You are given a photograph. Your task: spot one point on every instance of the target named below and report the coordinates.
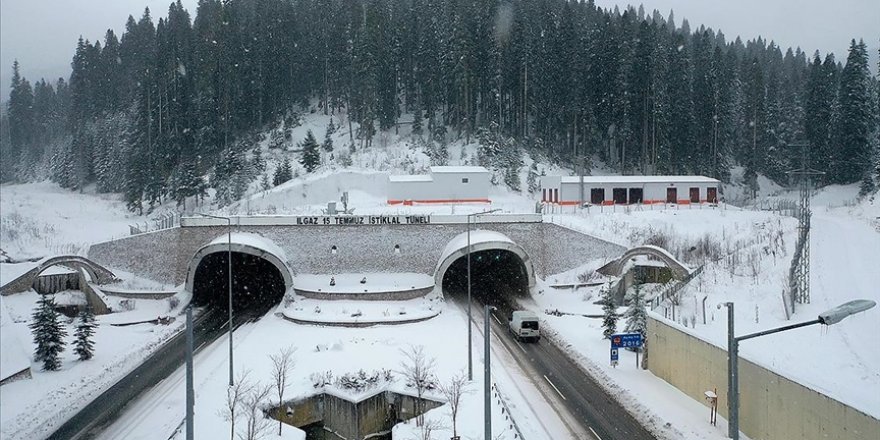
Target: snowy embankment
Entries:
(755, 250)
(34, 408)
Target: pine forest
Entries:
(173, 106)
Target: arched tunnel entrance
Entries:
(257, 284)
(496, 276)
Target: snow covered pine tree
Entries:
(48, 334)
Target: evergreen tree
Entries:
(283, 173)
(636, 316)
(258, 163)
(532, 179)
(855, 118)
(328, 137)
(85, 329)
(311, 157)
(511, 176)
(48, 334)
(609, 314)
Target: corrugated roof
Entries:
(639, 179)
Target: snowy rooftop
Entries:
(458, 169)
(14, 358)
(411, 178)
(640, 179)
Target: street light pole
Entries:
(487, 373)
(829, 317)
(229, 281)
(470, 347)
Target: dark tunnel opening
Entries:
(257, 284)
(496, 276)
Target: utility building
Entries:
(627, 190)
(447, 184)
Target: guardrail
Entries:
(507, 414)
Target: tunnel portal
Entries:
(256, 282)
(496, 275)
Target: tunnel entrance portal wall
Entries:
(170, 256)
(491, 245)
(259, 271)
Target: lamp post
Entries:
(229, 258)
(470, 348)
(829, 317)
(487, 379)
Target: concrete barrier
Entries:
(771, 406)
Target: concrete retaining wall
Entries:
(164, 255)
(353, 420)
(771, 406)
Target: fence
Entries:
(163, 221)
(550, 208)
(672, 290)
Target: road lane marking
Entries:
(497, 320)
(594, 433)
(554, 387)
(520, 346)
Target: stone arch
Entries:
(481, 240)
(614, 268)
(244, 243)
(99, 274)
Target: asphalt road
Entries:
(573, 388)
(98, 414)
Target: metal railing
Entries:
(507, 414)
(162, 221)
(675, 287)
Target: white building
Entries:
(448, 184)
(611, 190)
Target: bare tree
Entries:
(428, 428)
(453, 390)
(282, 363)
(256, 423)
(418, 371)
(234, 396)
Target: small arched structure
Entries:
(257, 260)
(98, 274)
(482, 240)
(616, 267)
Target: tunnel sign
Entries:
(364, 220)
(626, 340)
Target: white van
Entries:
(524, 326)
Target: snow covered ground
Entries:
(747, 256)
(318, 350)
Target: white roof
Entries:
(458, 169)
(640, 179)
(15, 358)
(411, 178)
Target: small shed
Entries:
(443, 184)
(628, 190)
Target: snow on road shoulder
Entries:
(117, 351)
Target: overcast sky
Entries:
(42, 34)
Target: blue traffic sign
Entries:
(625, 340)
(614, 356)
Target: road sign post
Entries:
(625, 340)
